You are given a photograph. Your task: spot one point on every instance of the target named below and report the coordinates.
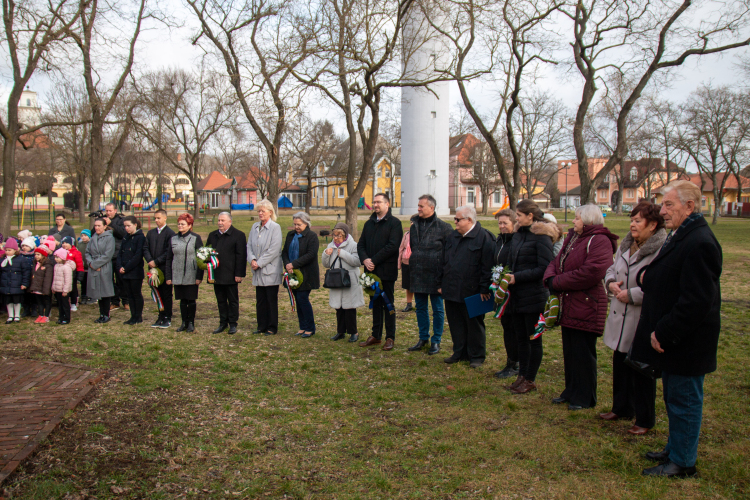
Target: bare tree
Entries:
(192, 109)
(484, 174)
(32, 32)
(642, 38)
(711, 119)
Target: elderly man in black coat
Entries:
(155, 253)
(116, 223)
(427, 241)
(678, 331)
(467, 271)
(231, 245)
(378, 250)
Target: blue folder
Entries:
(476, 306)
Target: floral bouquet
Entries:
(367, 281)
(499, 289)
(372, 286)
(156, 279)
(208, 260)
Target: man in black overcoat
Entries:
(378, 250)
(155, 253)
(231, 244)
(678, 331)
(467, 271)
(116, 222)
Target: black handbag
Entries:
(337, 277)
(644, 369)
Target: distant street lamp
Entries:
(566, 167)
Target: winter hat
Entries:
(22, 235)
(50, 242)
(61, 253)
(87, 232)
(69, 240)
(57, 237)
(37, 241)
(29, 242)
(550, 218)
(344, 227)
(43, 249)
(12, 244)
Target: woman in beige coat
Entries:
(344, 300)
(633, 393)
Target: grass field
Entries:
(214, 416)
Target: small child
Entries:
(83, 242)
(15, 277)
(28, 244)
(75, 256)
(41, 282)
(62, 283)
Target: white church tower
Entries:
(424, 120)
(29, 111)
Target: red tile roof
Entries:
(214, 182)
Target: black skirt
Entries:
(405, 277)
(186, 292)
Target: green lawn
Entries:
(214, 416)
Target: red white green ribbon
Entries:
(289, 289)
(211, 265)
(154, 281)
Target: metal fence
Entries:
(33, 218)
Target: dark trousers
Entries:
(579, 359)
(379, 310)
(63, 307)
(165, 292)
(228, 298)
(468, 334)
(267, 308)
(305, 314)
(683, 397)
(509, 338)
(104, 304)
(132, 291)
(29, 304)
(530, 352)
(74, 290)
(346, 321)
(632, 393)
(43, 305)
(188, 308)
(84, 284)
(117, 282)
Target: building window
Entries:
(630, 193)
(341, 192)
(603, 194)
(470, 197)
(496, 198)
(215, 200)
(703, 201)
(181, 181)
(28, 102)
(387, 173)
(633, 174)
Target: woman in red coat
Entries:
(576, 276)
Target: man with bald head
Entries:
(231, 244)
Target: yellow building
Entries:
(329, 189)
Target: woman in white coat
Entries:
(633, 394)
(343, 249)
(264, 255)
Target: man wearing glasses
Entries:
(378, 251)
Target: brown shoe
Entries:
(516, 383)
(370, 341)
(113, 307)
(524, 387)
(126, 307)
(609, 416)
(638, 431)
(388, 345)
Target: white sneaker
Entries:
(73, 307)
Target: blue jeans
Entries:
(683, 397)
(423, 316)
(304, 310)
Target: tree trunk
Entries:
(308, 198)
(9, 185)
(196, 208)
(82, 198)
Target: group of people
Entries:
(662, 290)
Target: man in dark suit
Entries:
(231, 245)
(155, 253)
(678, 330)
(117, 223)
(378, 251)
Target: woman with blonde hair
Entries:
(264, 256)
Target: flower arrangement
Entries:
(294, 279)
(367, 281)
(208, 260)
(499, 289)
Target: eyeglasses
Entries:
(458, 219)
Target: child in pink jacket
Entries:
(62, 284)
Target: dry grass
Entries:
(213, 416)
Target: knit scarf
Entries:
(294, 248)
(689, 220)
(7, 261)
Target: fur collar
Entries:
(548, 228)
(652, 245)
